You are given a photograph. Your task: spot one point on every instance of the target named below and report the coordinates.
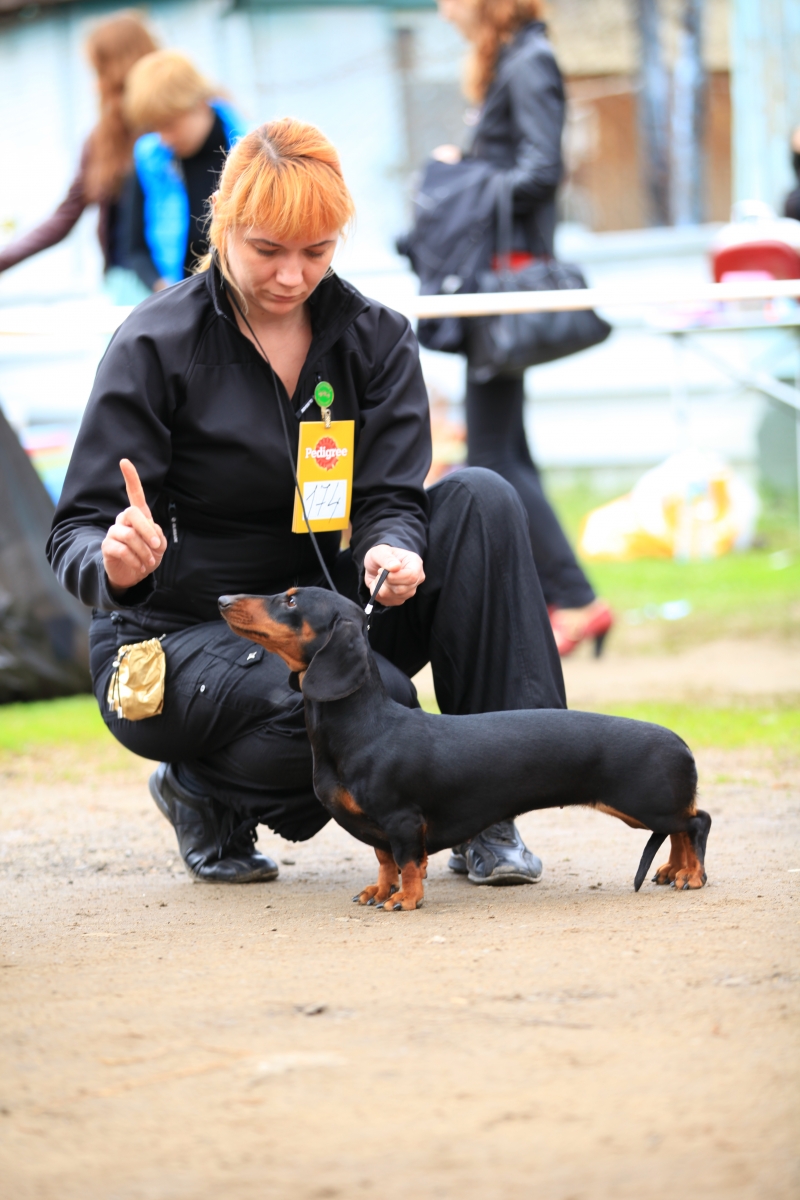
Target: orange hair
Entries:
(285, 176)
(112, 48)
(496, 24)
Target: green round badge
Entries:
(323, 394)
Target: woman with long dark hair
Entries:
(513, 75)
(107, 157)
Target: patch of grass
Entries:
(74, 720)
(722, 728)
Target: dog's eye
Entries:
(291, 602)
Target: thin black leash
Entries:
(384, 575)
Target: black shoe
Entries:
(498, 856)
(216, 845)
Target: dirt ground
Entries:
(161, 1039)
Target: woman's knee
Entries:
(493, 497)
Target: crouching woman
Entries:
(200, 389)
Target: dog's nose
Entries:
(224, 602)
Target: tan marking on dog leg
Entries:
(412, 891)
(677, 861)
(692, 874)
(614, 812)
(388, 875)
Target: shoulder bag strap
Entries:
(505, 223)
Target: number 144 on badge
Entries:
(325, 475)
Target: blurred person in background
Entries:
(513, 75)
(178, 161)
(106, 159)
(196, 388)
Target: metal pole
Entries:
(687, 122)
(680, 394)
(653, 110)
(765, 95)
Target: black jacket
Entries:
(519, 132)
(184, 395)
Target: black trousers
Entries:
(233, 727)
(496, 439)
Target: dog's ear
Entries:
(341, 666)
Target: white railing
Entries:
(104, 319)
(491, 303)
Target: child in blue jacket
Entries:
(177, 163)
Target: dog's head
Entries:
(321, 636)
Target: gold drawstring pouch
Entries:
(136, 689)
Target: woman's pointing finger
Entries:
(133, 486)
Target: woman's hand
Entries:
(447, 154)
(134, 545)
(405, 573)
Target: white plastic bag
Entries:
(692, 506)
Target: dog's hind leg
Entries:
(685, 868)
(388, 875)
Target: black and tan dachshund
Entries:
(408, 782)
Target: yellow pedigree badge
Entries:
(325, 475)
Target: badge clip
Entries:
(323, 395)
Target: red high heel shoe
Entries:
(599, 620)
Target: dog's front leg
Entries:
(407, 840)
(388, 875)
(412, 892)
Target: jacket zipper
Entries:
(303, 408)
(173, 520)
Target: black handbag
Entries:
(509, 342)
(451, 241)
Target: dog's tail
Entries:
(653, 842)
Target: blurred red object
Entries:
(777, 260)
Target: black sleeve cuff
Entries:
(131, 598)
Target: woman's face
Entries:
(188, 132)
(461, 13)
(277, 276)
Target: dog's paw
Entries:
(401, 902)
(686, 880)
(665, 874)
(376, 893)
